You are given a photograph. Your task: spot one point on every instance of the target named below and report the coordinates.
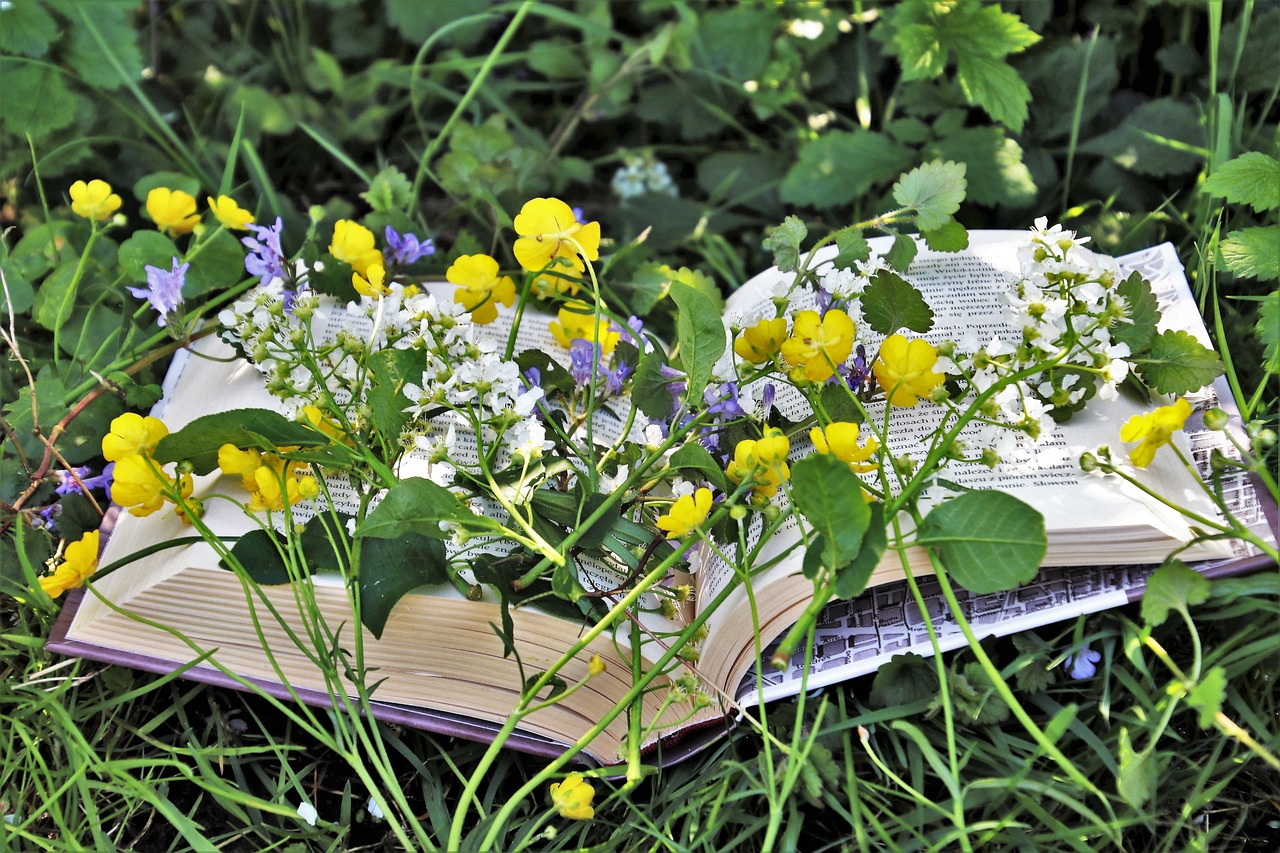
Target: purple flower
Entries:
(164, 291)
(582, 360)
(614, 379)
(631, 332)
(579, 216)
(70, 480)
(405, 249)
(676, 384)
(533, 377)
(857, 374)
(265, 258)
(1083, 664)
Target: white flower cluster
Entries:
(642, 173)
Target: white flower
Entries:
(308, 812)
(374, 810)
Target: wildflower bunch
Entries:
(141, 483)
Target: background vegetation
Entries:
(699, 126)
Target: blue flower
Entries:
(164, 291)
(265, 258)
(582, 360)
(614, 379)
(405, 249)
(1083, 664)
(71, 480)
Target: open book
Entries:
(440, 664)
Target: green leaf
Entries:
(170, 180)
(56, 296)
(950, 237)
(904, 680)
(934, 190)
(841, 166)
(391, 568)
(570, 510)
(1144, 311)
(391, 369)
(26, 29)
(649, 387)
(1252, 178)
(695, 457)
(414, 505)
(851, 247)
(990, 541)
(995, 86)
(995, 173)
(1178, 364)
(1138, 774)
(851, 580)
(1159, 138)
(148, 248)
(49, 392)
(1206, 697)
(36, 100)
(700, 333)
(829, 496)
(258, 551)
(261, 429)
(112, 21)
(565, 583)
(902, 253)
(984, 706)
(219, 265)
(1268, 331)
(784, 242)
(389, 191)
(890, 303)
(1253, 252)
(1173, 586)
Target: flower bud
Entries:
(771, 513)
(1216, 419)
(738, 512)
(1219, 462)
(1264, 440)
(1089, 462)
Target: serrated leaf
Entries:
(934, 190)
(390, 190)
(990, 541)
(994, 169)
(829, 496)
(82, 51)
(700, 333)
(1253, 178)
(1253, 252)
(649, 388)
(841, 166)
(949, 237)
(1207, 695)
(36, 100)
(784, 242)
(1144, 311)
(987, 708)
(1173, 586)
(1178, 364)
(995, 86)
(902, 252)
(414, 505)
(261, 429)
(851, 247)
(1268, 331)
(26, 29)
(904, 680)
(891, 303)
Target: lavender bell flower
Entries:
(266, 258)
(1083, 664)
(164, 291)
(404, 249)
(582, 360)
(614, 379)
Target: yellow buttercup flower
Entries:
(480, 288)
(818, 345)
(240, 463)
(132, 434)
(173, 211)
(905, 370)
(230, 214)
(840, 439)
(548, 229)
(572, 798)
(353, 244)
(576, 321)
(139, 484)
(93, 200)
(686, 514)
(80, 560)
(374, 286)
(1154, 430)
(761, 342)
(762, 461)
(270, 494)
(596, 666)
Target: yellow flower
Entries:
(241, 463)
(93, 200)
(132, 434)
(326, 425)
(373, 286)
(685, 514)
(269, 494)
(548, 229)
(840, 439)
(572, 798)
(559, 279)
(353, 243)
(139, 484)
(596, 666)
(819, 344)
(173, 211)
(79, 562)
(229, 213)
(761, 342)
(1154, 429)
(576, 321)
(905, 370)
(763, 462)
(480, 289)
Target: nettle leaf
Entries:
(1252, 178)
(934, 190)
(829, 496)
(990, 541)
(1206, 697)
(261, 429)
(995, 86)
(389, 191)
(841, 166)
(1173, 586)
(905, 679)
(415, 505)
(391, 370)
(949, 237)
(1268, 331)
(851, 247)
(891, 303)
(392, 568)
(784, 242)
(1144, 311)
(148, 248)
(902, 253)
(695, 457)
(1178, 364)
(1253, 252)
(700, 333)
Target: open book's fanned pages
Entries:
(440, 665)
